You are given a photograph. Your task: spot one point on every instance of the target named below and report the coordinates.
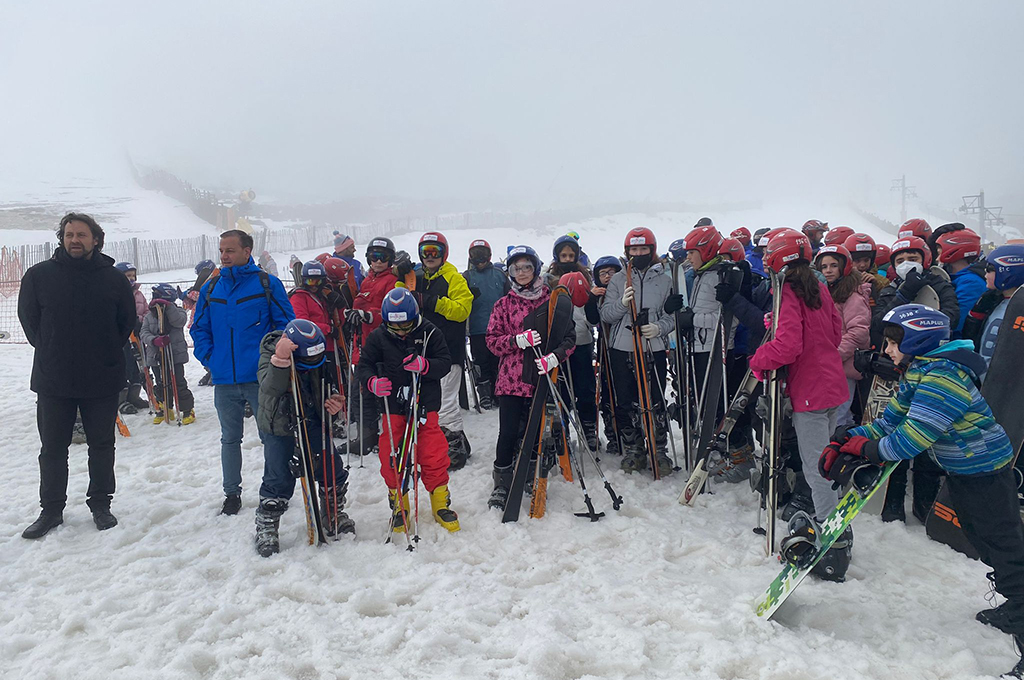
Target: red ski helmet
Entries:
(839, 251)
(337, 268)
(861, 244)
(322, 257)
(837, 236)
(480, 243)
(912, 243)
(741, 234)
(814, 225)
(433, 238)
(771, 233)
(705, 240)
(958, 245)
(640, 236)
(576, 284)
(914, 227)
(883, 255)
(785, 248)
(732, 249)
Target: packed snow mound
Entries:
(656, 590)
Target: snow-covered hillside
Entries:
(654, 591)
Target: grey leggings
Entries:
(813, 432)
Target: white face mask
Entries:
(903, 268)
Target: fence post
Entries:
(135, 252)
(156, 256)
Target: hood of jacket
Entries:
(960, 352)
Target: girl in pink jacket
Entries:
(806, 344)
(851, 296)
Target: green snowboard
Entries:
(866, 483)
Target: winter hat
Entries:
(342, 241)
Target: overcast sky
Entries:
(545, 102)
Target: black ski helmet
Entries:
(380, 243)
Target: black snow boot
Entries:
(833, 566)
(104, 519)
(232, 504)
(894, 510)
(48, 519)
(268, 519)
(797, 502)
(502, 477)
(124, 406)
(334, 519)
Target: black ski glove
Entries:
(685, 319)
(403, 264)
(912, 285)
(841, 435)
(883, 367)
(673, 303)
(475, 291)
(862, 359)
(726, 290)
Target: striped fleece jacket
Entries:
(939, 406)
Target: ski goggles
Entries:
(378, 256)
(402, 328)
(431, 252)
(318, 281)
(523, 268)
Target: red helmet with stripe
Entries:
(576, 284)
(732, 249)
(337, 268)
(883, 255)
(958, 245)
(640, 236)
(785, 248)
(322, 257)
(814, 225)
(706, 240)
(838, 251)
(741, 234)
(913, 243)
(914, 227)
(771, 233)
(861, 244)
(837, 236)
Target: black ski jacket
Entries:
(890, 297)
(77, 313)
(382, 347)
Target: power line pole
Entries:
(905, 193)
(987, 216)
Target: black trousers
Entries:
(584, 383)
(132, 372)
(512, 412)
(55, 418)
(989, 514)
(186, 402)
(625, 378)
(485, 361)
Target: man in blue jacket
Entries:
(233, 313)
(488, 284)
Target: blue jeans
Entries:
(229, 400)
(278, 481)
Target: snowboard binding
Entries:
(803, 543)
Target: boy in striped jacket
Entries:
(939, 407)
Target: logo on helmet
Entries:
(398, 317)
(637, 241)
(1009, 260)
(377, 243)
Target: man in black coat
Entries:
(77, 312)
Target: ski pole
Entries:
(399, 508)
(664, 409)
(314, 528)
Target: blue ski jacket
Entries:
(488, 286)
(233, 313)
(970, 285)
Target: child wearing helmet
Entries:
(488, 284)
(604, 268)
(1004, 274)
(155, 337)
(959, 253)
(939, 411)
(404, 346)
(303, 346)
(131, 396)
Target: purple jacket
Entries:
(807, 345)
(510, 316)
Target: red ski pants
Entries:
(431, 451)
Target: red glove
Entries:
(161, 341)
(828, 459)
(414, 363)
(860, 446)
(159, 301)
(379, 387)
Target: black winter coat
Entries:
(382, 347)
(77, 313)
(890, 298)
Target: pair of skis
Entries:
(403, 462)
(167, 373)
(645, 372)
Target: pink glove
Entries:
(546, 363)
(284, 348)
(159, 301)
(414, 363)
(758, 375)
(379, 387)
(161, 341)
(768, 321)
(193, 295)
(528, 339)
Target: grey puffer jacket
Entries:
(174, 325)
(707, 310)
(274, 414)
(650, 290)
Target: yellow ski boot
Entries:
(188, 418)
(398, 519)
(440, 500)
(159, 417)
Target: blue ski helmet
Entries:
(563, 241)
(165, 291)
(399, 310)
(677, 250)
(924, 328)
(124, 267)
(1008, 263)
(517, 252)
(205, 264)
(606, 261)
(313, 270)
(312, 349)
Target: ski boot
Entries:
(798, 502)
(665, 466)
(399, 517)
(135, 397)
(124, 405)
(833, 565)
(188, 418)
(440, 502)
(268, 519)
(334, 519)
(158, 412)
(247, 411)
(737, 465)
(634, 458)
(502, 481)
(459, 449)
(590, 430)
(486, 391)
(803, 543)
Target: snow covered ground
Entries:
(654, 591)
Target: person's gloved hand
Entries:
(685, 318)
(673, 303)
(650, 330)
(527, 339)
(159, 301)
(546, 363)
(161, 341)
(862, 447)
(379, 387)
(358, 316)
(415, 363)
(726, 290)
(627, 296)
(912, 285)
(335, 404)
(768, 321)
(862, 361)
(475, 291)
(192, 295)
(841, 435)
(827, 460)
(403, 264)
(282, 356)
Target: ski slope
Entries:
(656, 590)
